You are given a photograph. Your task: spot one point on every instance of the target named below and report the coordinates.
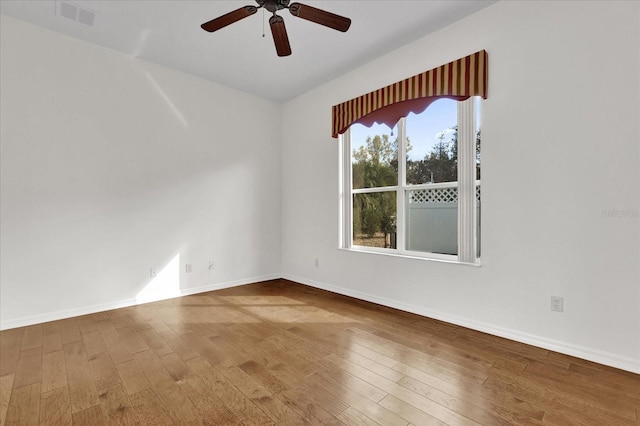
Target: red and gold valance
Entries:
(457, 80)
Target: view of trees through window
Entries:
(374, 165)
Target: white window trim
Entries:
(467, 211)
(466, 182)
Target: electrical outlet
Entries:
(557, 304)
(187, 268)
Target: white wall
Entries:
(112, 165)
(560, 146)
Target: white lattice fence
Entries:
(447, 194)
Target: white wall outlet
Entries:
(557, 304)
(187, 268)
(152, 272)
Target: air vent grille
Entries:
(69, 10)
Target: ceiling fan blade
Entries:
(280, 37)
(229, 18)
(320, 16)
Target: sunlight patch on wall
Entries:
(167, 99)
(164, 285)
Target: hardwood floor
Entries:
(280, 353)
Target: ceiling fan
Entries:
(276, 22)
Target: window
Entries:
(414, 190)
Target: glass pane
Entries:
(374, 156)
(374, 219)
(432, 220)
(432, 144)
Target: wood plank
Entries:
(51, 342)
(349, 388)
(179, 346)
(10, 342)
(120, 318)
(597, 393)
(271, 405)
(133, 379)
(116, 407)
(114, 342)
(104, 371)
(606, 377)
(450, 371)
(304, 402)
(441, 408)
(155, 342)
(91, 416)
(479, 410)
(351, 416)
(176, 403)
(29, 368)
(82, 388)
(55, 407)
(152, 367)
(148, 408)
(6, 384)
(132, 340)
(409, 412)
(178, 406)
(317, 396)
(86, 324)
(550, 399)
(206, 402)
(54, 371)
(473, 394)
(32, 337)
(93, 343)
(364, 362)
(70, 331)
(24, 406)
(239, 403)
(200, 346)
(263, 376)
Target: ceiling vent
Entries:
(77, 13)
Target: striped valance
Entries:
(457, 80)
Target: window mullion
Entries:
(402, 183)
(346, 199)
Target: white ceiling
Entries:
(168, 32)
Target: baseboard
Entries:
(589, 354)
(70, 313)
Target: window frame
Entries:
(466, 184)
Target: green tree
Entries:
(441, 163)
(375, 164)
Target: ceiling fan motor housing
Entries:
(273, 5)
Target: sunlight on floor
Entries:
(165, 285)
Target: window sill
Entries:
(431, 257)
